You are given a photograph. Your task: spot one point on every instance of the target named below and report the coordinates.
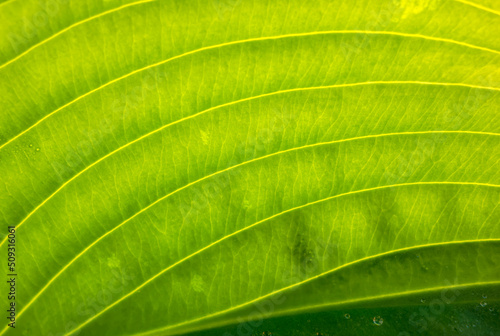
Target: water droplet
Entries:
(378, 320)
(422, 300)
(483, 303)
(347, 316)
(491, 309)
(485, 296)
(31, 145)
(38, 149)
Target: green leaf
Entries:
(176, 166)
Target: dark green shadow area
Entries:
(430, 317)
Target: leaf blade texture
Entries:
(176, 166)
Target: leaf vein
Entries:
(71, 27)
(282, 289)
(444, 40)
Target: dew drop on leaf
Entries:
(485, 296)
(422, 300)
(378, 320)
(38, 149)
(483, 303)
(347, 316)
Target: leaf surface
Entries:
(175, 166)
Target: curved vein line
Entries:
(255, 40)
(252, 98)
(336, 304)
(410, 292)
(243, 100)
(71, 27)
(248, 162)
(288, 287)
(478, 6)
(6, 2)
(221, 239)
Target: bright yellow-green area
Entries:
(170, 165)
